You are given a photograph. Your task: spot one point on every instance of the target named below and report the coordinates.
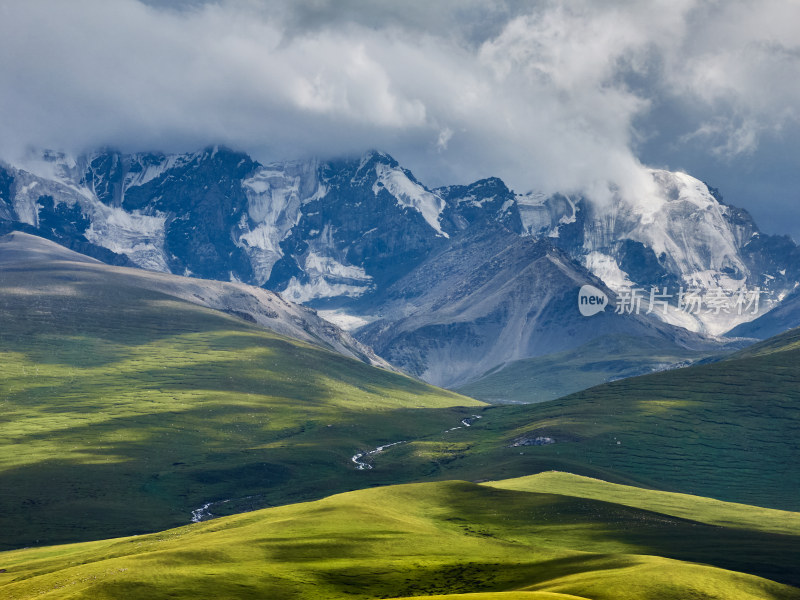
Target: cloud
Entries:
(739, 63)
(548, 95)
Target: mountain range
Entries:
(136, 401)
(447, 283)
(132, 406)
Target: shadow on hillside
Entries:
(596, 526)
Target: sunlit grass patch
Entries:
(449, 539)
(125, 409)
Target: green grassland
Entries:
(124, 409)
(784, 342)
(605, 359)
(445, 540)
(499, 596)
(121, 410)
(696, 508)
(725, 430)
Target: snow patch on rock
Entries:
(327, 278)
(410, 194)
(274, 199)
(139, 236)
(318, 287)
(606, 268)
(346, 321)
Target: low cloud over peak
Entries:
(547, 95)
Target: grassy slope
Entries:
(499, 596)
(134, 409)
(122, 410)
(785, 342)
(725, 430)
(424, 539)
(548, 377)
(696, 508)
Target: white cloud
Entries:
(544, 94)
(741, 62)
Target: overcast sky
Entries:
(571, 96)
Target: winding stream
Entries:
(204, 512)
(361, 465)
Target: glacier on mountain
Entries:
(345, 229)
(689, 234)
(275, 195)
(138, 236)
(410, 194)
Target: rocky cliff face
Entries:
(456, 277)
(368, 223)
(489, 299)
(311, 230)
(683, 236)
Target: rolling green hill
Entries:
(443, 540)
(726, 430)
(787, 341)
(696, 508)
(123, 409)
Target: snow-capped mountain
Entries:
(369, 222)
(682, 237)
(489, 299)
(351, 236)
(310, 230)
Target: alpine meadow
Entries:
(454, 300)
